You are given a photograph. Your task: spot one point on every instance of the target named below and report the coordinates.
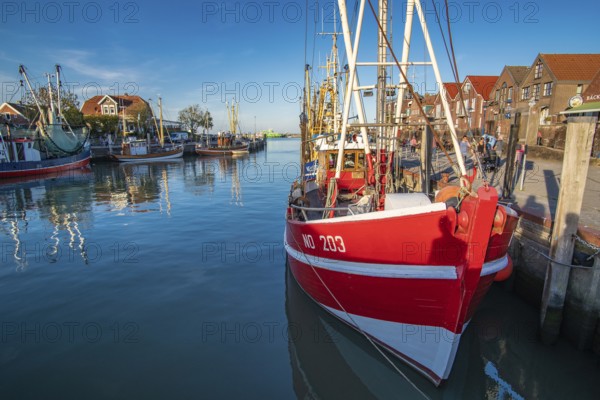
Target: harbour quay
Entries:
(101, 151)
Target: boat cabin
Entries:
(353, 172)
(135, 148)
(18, 149)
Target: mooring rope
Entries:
(394, 366)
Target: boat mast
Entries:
(440, 84)
(58, 91)
(352, 90)
(161, 137)
(37, 103)
(124, 125)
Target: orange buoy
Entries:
(505, 272)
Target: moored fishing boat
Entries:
(405, 269)
(53, 146)
(227, 142)
(139, 150)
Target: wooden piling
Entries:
(580, 133)
(510, 151)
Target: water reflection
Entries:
(62, 200)
(202, 174)
(500, 357)
(135, 187)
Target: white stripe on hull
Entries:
(429, 349)
(378, 270)
(390, 270)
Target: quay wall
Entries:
(581, 312)
(100, 152)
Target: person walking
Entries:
(464, 146)
(413, 145)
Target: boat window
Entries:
(332, 160)
(349, 161)
(361, 160)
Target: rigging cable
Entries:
(410, 87)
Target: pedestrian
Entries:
(480, 147)
(413, 145)
(487, 149)
(499, 144)
(539, 138)
(464, 146)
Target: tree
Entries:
(207, 120)
(69, 104)
(142, 114)
(100, 124)
(191, 117)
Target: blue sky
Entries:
(211, 52)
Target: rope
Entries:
(553, 261)
(588, 245)
(394, 366)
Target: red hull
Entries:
(46, 170)
(416, 273)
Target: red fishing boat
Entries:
(405, 269)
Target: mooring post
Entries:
(580, 133)
(510, 151)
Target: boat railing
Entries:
(304, 209)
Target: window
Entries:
(538, 70)
(112, 109)
(510, 94)
(548, 89)
(497, 95)
(361, 160)
(545, 116)
(332, 160)
(467, 87)
(104, 109)
(525, 93)
(536, 91)
(349, 162)
(579, 89)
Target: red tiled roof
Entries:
(483, 84)
(92, 105)
(518, 73)
(592, 92)
(572, 67)
(451, 88)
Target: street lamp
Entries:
(485, 106)
(469, 133)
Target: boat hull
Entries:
(167, 155)
(411, 290)
(43, 167)
(222, 151)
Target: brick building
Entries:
(552, 80)
(499, 112)
(130, 106)
(450, 91)
(474, 92)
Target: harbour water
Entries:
(168, 280)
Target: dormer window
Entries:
(467, 87)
